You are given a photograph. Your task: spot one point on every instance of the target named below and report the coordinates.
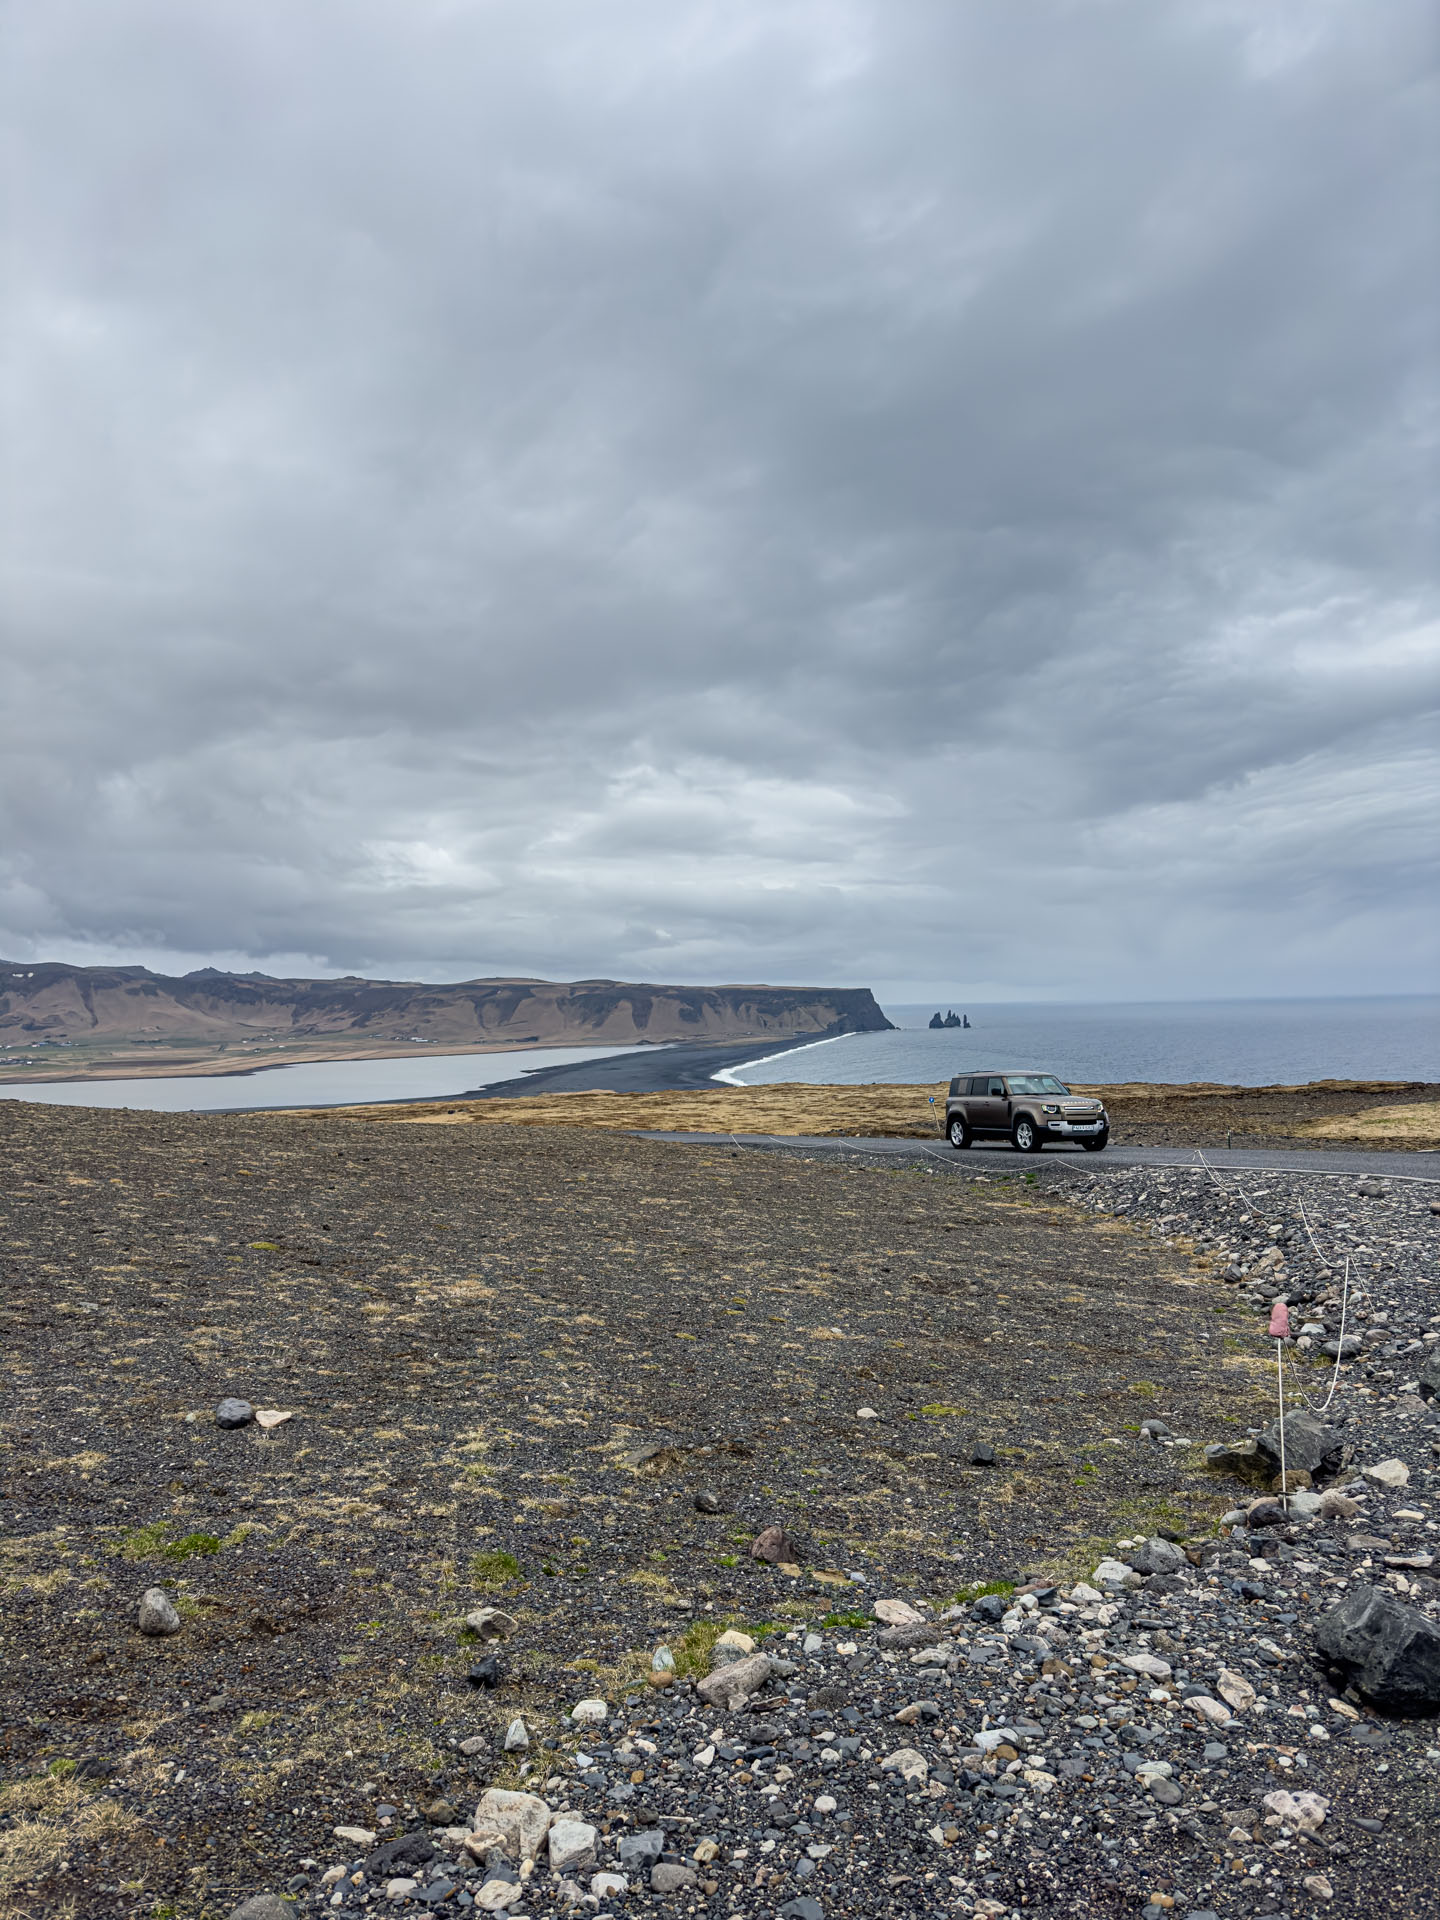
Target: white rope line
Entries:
(1325, 1262)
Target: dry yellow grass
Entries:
(48, 1819)
(1159, 1114)
(1414, 1125)
(791, 1109)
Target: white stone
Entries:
(398, 1889)
(1208, 1709)
(156, 1613)
(572, 1845)
(517, 1736)
(491, 1623)
(733, 1641)
(590, 1713)
(1084, 1595)
(1114, 1573)
(1147, 1663)
(522, 1820)
(1388, 1473)
(905, 1761)
(826, 1803)
(1304, 1810)
(703, 1757)
(355, 1836)
(1235, 1689)
(608, 1885)
(994, 1737)
(866, 1413)
(496, 1895)
(895, 1613)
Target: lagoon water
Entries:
(313, 1083)
(1251, 1043)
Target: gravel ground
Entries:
(521, 1366)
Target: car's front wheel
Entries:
(1026, 1136)
(957, 1132)
(1099, 1143)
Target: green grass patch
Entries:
(190, 1544)
(847, 1620)
(494, 1569)
(145, 1542)
(1146, 1389)
(938, 1410)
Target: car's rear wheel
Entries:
(957, 1132)
(1026, 1135)
(1099, 1143)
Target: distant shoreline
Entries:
(299, 1057)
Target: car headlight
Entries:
(1049, 1109)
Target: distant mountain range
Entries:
(49, 1001)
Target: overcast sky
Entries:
(929, 494)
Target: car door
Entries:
(988, 1105)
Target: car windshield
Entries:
(1027, 1084)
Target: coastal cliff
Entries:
(83, 1012)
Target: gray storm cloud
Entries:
(926, 495)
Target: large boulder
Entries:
(1240, 1457)
(1390, 1652)
(1310, 1446)
(156, 1615)
(522, 1821)
(1157, 1556)
(729, 1687)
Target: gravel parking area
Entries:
(576, 1378)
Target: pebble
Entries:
(1389, 1474)
(671, 1877)
(234, 1413)
(517, 1736)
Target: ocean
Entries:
(1251, 1043)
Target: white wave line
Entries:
(727, 1074)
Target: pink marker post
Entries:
(1280, 1331)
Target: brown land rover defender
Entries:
(1027, 1108)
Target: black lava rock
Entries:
(392, 1856)
(1390, 1651)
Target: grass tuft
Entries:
(493, 1570)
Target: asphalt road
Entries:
(1424, 1167)
(677, 1069)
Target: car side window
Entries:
(978, 1087)
(997, 1089)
